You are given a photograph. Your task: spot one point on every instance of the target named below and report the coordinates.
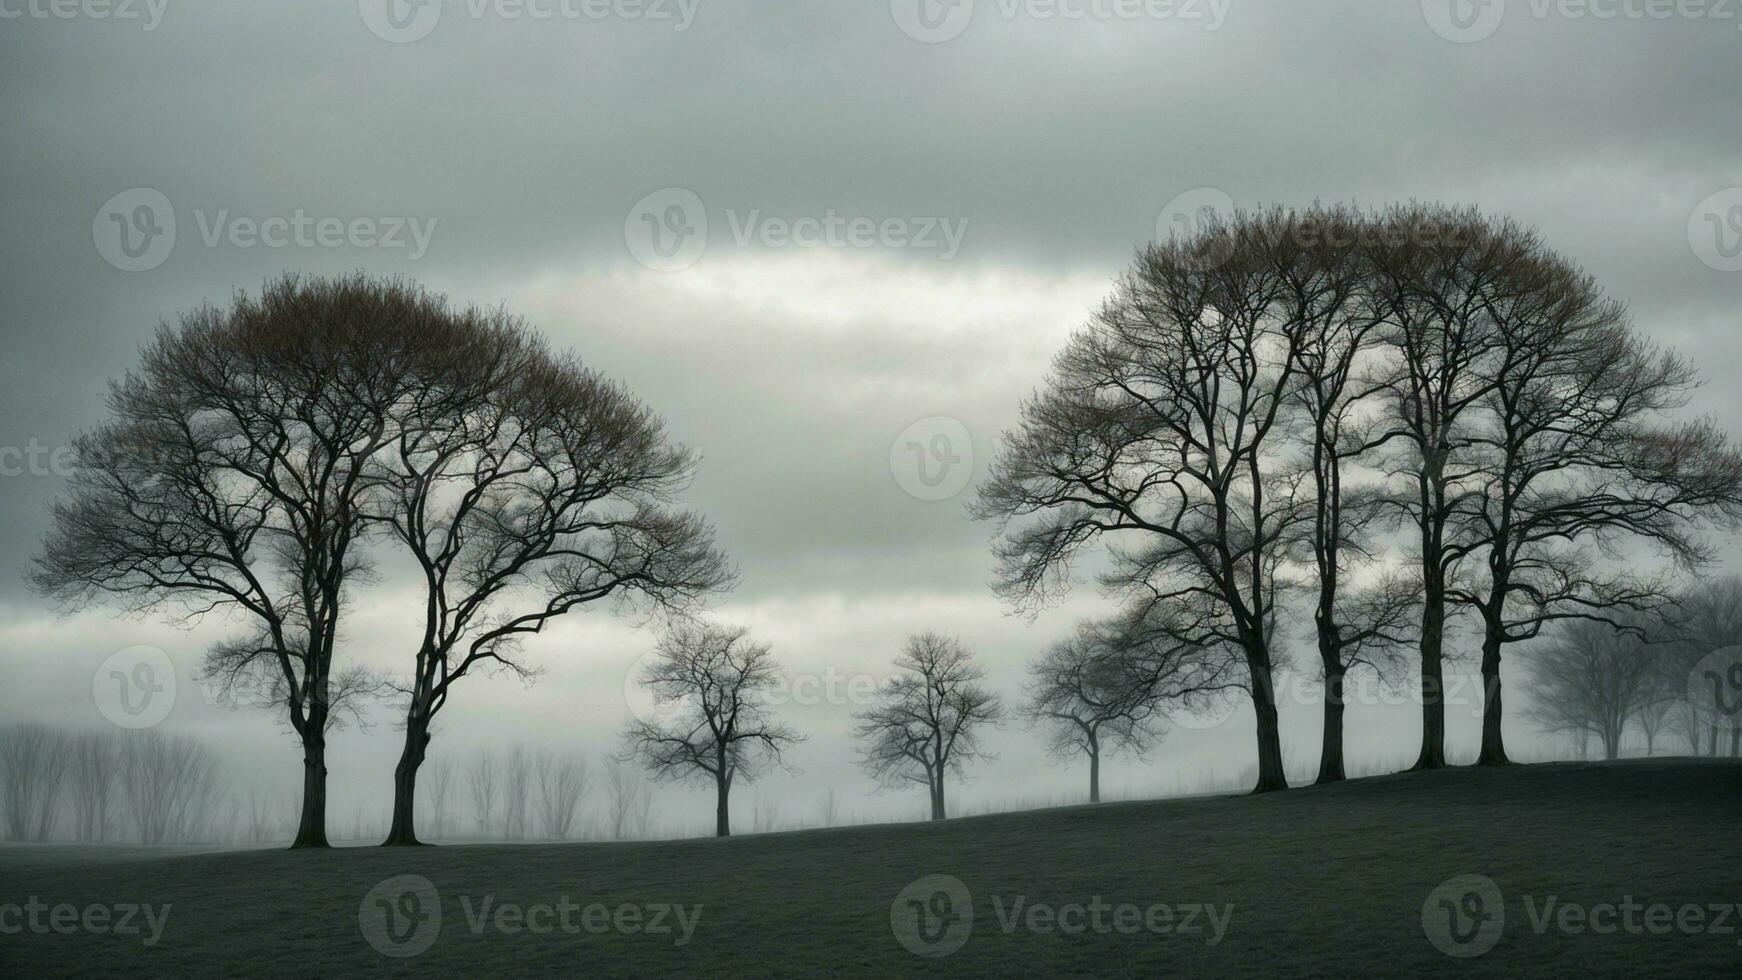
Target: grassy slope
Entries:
(1326, 882)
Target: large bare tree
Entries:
(1575, 454)
(1162, 427)
(230, 477)
(718, 681)
(929, 719)
(525, 487)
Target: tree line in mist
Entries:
(1373, 430)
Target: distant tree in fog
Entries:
(33, 768)
(170, 784)
(482, 783)
(561, 779)
(93, 758)
(716, 680)
(929, 720)
(441, 783)
(628, 800)
(1590, 679)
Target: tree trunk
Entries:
(311, 829)
(722, 809)
(403, 832)
(1094, 775)
(1271, 776)
(1736, 743)
(1433, 684)
(1331, 746)
(1493, 743)
(937, 798)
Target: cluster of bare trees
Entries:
(1388, 419)
(101, 786)
(1651, 673)
(521, 793)
(259, 452)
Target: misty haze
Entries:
(872, 488)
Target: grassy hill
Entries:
(1321, 882)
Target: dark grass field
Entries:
(1322, 882)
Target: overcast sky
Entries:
(807, 233)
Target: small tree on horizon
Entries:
(928, 719)
(717, 680)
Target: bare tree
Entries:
(441, 782)
(629, 800)
(828, 808)
(1323, 259)
(1575, 445)
(1161, 426)
(562, 782)
(1092, 699)
(929, 719)
(525, 487)
(92, 760)
(1705, 619)
(231, 478)
(33, 766)
(718, 681)
(516, 792)
(1592, 678)
(482, 782)
(170, 784)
